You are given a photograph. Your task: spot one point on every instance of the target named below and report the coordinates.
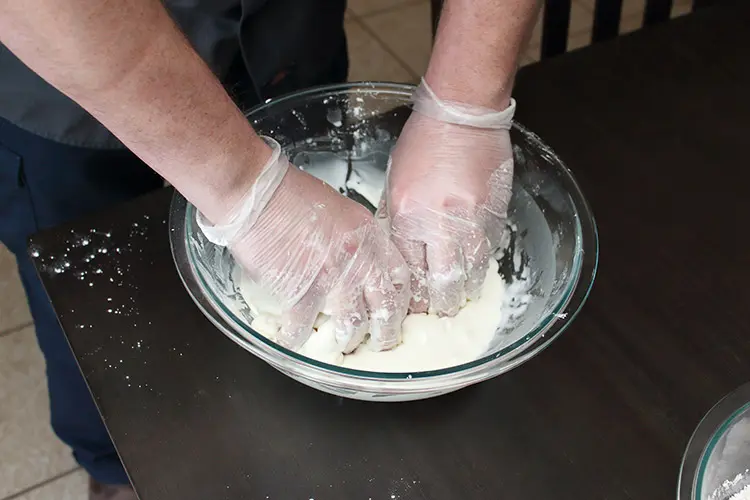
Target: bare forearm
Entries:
(477, 50)
(128, 64)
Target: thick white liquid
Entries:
(429, 342)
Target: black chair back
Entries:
(607, 15)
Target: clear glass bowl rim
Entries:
(592, 242)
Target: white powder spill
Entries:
(744, 494)
(725, 491)
(92, 257)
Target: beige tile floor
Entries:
(388, 40)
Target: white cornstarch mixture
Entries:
(429, 342)
(742, 495)
(723, 491)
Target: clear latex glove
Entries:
(449, 184)
(314, 251)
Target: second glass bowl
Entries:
(716, 464)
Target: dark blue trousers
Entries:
(42, 184)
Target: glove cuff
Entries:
(425, 101)
(251, 206)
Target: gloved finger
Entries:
(381, 214)
(398, 270)
(351, 324)
(413, 253)
(475, 250)
(399, 275)
(397, 266)
(445, 278)
(495, 213)
(387, 307)
(297, 321)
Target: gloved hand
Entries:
(449, 184)
(315, 250)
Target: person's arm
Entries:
(127, 63)
(450, 179)
(478, 48)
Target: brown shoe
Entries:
(99, 491)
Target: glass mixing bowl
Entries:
(716, 464)
(552, 236)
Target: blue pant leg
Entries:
(43, 184)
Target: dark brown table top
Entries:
(655, 125)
